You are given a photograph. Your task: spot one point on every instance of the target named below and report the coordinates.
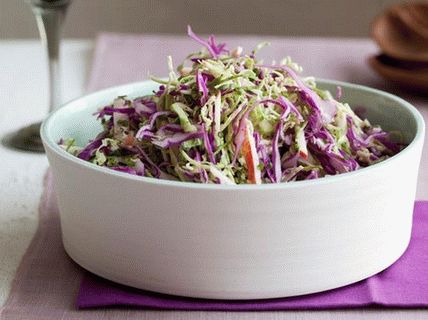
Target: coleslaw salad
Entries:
(224, 117)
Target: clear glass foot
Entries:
(27, 139)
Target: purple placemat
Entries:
(404, 284)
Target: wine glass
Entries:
(50, 16)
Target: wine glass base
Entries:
(25, 139)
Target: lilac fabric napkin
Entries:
(404, 284)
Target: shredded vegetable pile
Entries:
(225, 117)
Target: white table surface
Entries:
(23, 100)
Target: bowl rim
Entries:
(54, 147)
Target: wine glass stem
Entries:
(50, 17)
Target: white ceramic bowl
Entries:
(235, 242)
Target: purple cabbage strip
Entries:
(394, 147)
(156, 171)
(325, 163)
(261, 149)
(340, 164)
(218, 49)
(351, 163)
(208, 145)
(276, 158)
(87, 152)
(332, 162)
(286, 109)
(291, 106)
(312, 175)
(290, 161)
(323, 133)
(201, 81)
(108, 110)
(212, 140)
(177, 139)
(339, 92)
(384, 138)
(145, 107)
(203, 173)
(257, 140)
(310, 96)
(291, 177)
(240, 129)
(170, 127)
(174, 93)
(214, 49)
(204, 176)
(374, 157)
(160, 91)
(286, 105)
(209, 46)
(376, 135)
(140, 168)
(356, 142)
(189, 175)
(207, 76)
(275, 153)
(142, 132)
(156, 115)
(381, 136)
